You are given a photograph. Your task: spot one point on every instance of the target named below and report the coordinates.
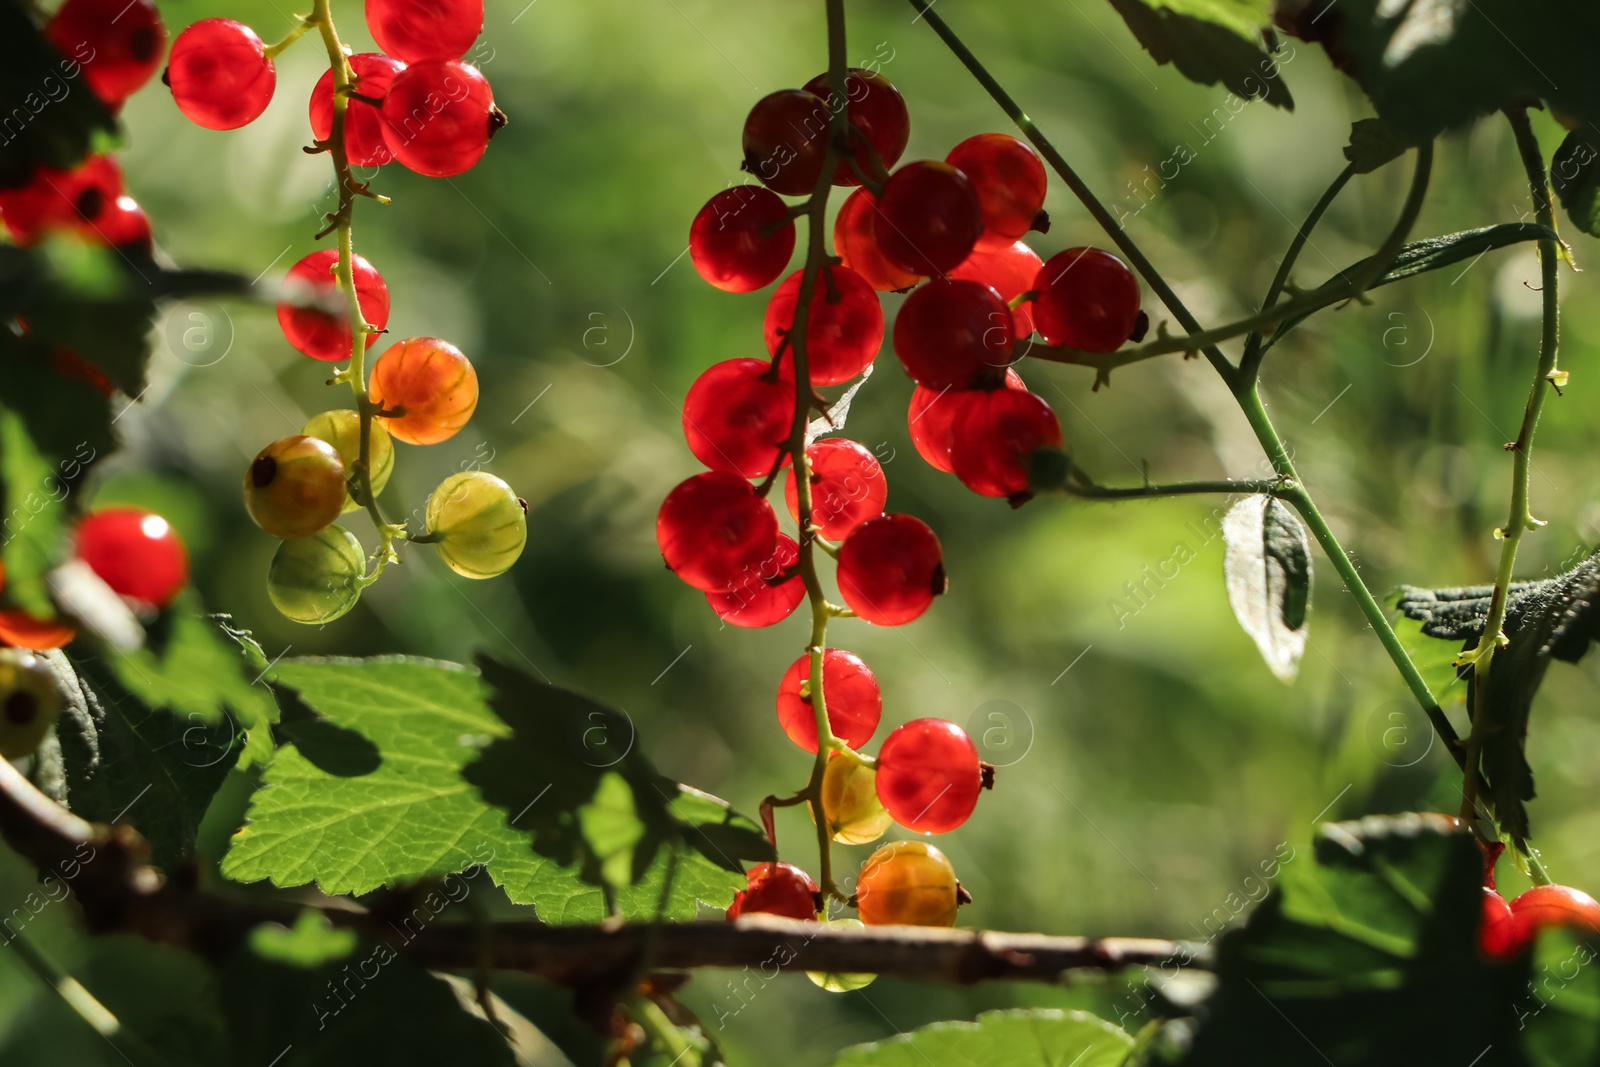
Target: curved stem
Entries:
(1079, 188)
(1520, 518)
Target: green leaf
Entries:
(1018, 1038)
(1433, 65)
(1576, 178)
(64, 119)
(311, 942)
(572, 774)
(1268, 572)
(1211, 41)
(33, 530)
(1373, 145)
(1359, 952)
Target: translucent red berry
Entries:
(1010, 271)
(994, 434)
(847, 487)
(929, 775)
(844, 328)
(438, 117)
(739, 415)
(1009, 179)
(878, 113)
(890, 569)
(929, 218)
(742, 239)
(118, 43)
(74, 199)
(766, 595)
(364, 145)
(124, 225)
(776, 889)
(955, 334)
(428, 385)
(220, 75)
(850, 690)
(321, 334)
(786, 140)
(1088, 299)
(714, 530)
(137, 553)
(1497, 930)
(1546, 906)
(419, 30)
(931, 419)
(855, 241)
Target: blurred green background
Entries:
(1149, 762)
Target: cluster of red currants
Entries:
(115, 46)
(1507, 928)
(415, 102)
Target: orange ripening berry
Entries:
(430, 388)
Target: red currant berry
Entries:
(74, 199)
(124, 225)
(931, 419)
(786, 141)
(847, 487)
(929, 775)
(1546, 906)
(776, 889)
(908, 883)
(420, 30)
(118, 43)
(890, 569)
(955, 334)
(844, 328)
(429, 385)
(878, 113)
(742, 239)
(21, 630)
(766, 595)
(364, 145)
(68, 364)
(713, 530)
(1009, 179)
(438, 117)
(993, 435)
(1497, 930)
(137, 553)
(1009, 271)
(929, 218)
(850, 690)
(1088, 299)
(318, 333)
(220, 75)
(855, 241)
(738, 415)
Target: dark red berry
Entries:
(776, 889)
(850, 691)
(1088, 299)
(1009, 271)
(955, 334)
(118, 43)
(929, 218)
(890, 569)
(786, 140)
(438, 116)
(220, 75)
(1009, 179)
(135, 552)
(124, 225)
(363, 121)
(742, 239)
(326, 336)
(417, 31)
(929, 776)
(766, 595)
(738, 417)
(847, 487)
(844, 328)
(931, 419)
(1498, 936)
(877, 111)
(61, 199)
(855, 241)
(714, 530)
(994, 433)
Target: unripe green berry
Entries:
(835, 981)
(317, 579)
(850, 801)
(30, 702)
(478, 524)
(342, 430)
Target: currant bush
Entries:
(477, 523)
(742, 239)
(342, 429)
(929, 776)
(426, 390)
(295, 487)
(323, 335)
(30, 702)
(847, 487)
(135, 552)
(907, 883)
(220, 75)
(850, 691)
(317, 579)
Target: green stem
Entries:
(1079, 188)
(1520, 518)
(274, 49)
(85, 1004)
(1225, 486)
